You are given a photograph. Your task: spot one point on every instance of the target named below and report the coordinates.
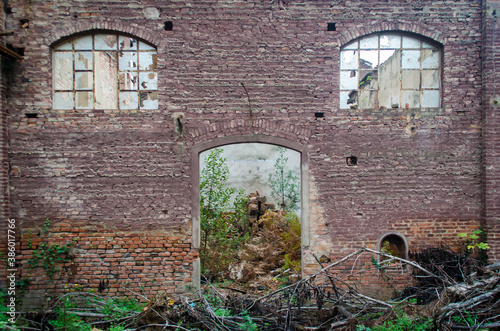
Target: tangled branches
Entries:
(449, 293)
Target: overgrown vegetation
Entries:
(322, 301)
(49, 256)
(285, 186)
(476, 244)
(229, 244)
(222, 216)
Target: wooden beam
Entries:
(9, 53)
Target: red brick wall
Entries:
(130, 172)
(145, 262)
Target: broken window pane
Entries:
(106, 80)
(83, 43)
(394, 71)
(148, 81)
(105, 42)
(430, 59)
(368, 59)
(348, 80)
(105, 71)
(84, 80)
(63, 71)
(349, 60)
(410, 99)
(388, 55)
(129, 81)
(368, 80)
(147, 61)
(84, 60)
(368, 99)
(410, 79)
(390, 41)
(63, 100)
(389, 81)
(430, 79)
(128, 100)
(148, 100)
(346, 100)
(84, 100)
(127, 43)
(128, 61)
(430, 98)
(389, 96)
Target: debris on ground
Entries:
(450, 292)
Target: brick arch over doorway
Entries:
(263, 139)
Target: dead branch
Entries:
(413, 264)
(446, 310)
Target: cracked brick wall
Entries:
(120, 174)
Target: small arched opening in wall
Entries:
(241, 140)
(392, 243)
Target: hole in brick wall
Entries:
(319, 115)
(351, 160)
(18, 50)
(7, 7)
(169, 26)
(31, 115)
(331, 27)
(394, 244)
(25, 24)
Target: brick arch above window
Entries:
(104, 70)
(69, 30)
(397, 27)
(390, 70)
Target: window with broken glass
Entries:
(105, 71)
(390, 71)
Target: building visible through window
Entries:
(105, 71)
(390, 71)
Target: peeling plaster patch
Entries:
(151, 12)
(495, 101)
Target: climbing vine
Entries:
(49, 256)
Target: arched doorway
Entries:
(304, 186)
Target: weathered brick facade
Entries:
(123, 183)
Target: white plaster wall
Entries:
(250, 166)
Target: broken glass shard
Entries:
(349, 60)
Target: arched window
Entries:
(105, 71)
(390, 70)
